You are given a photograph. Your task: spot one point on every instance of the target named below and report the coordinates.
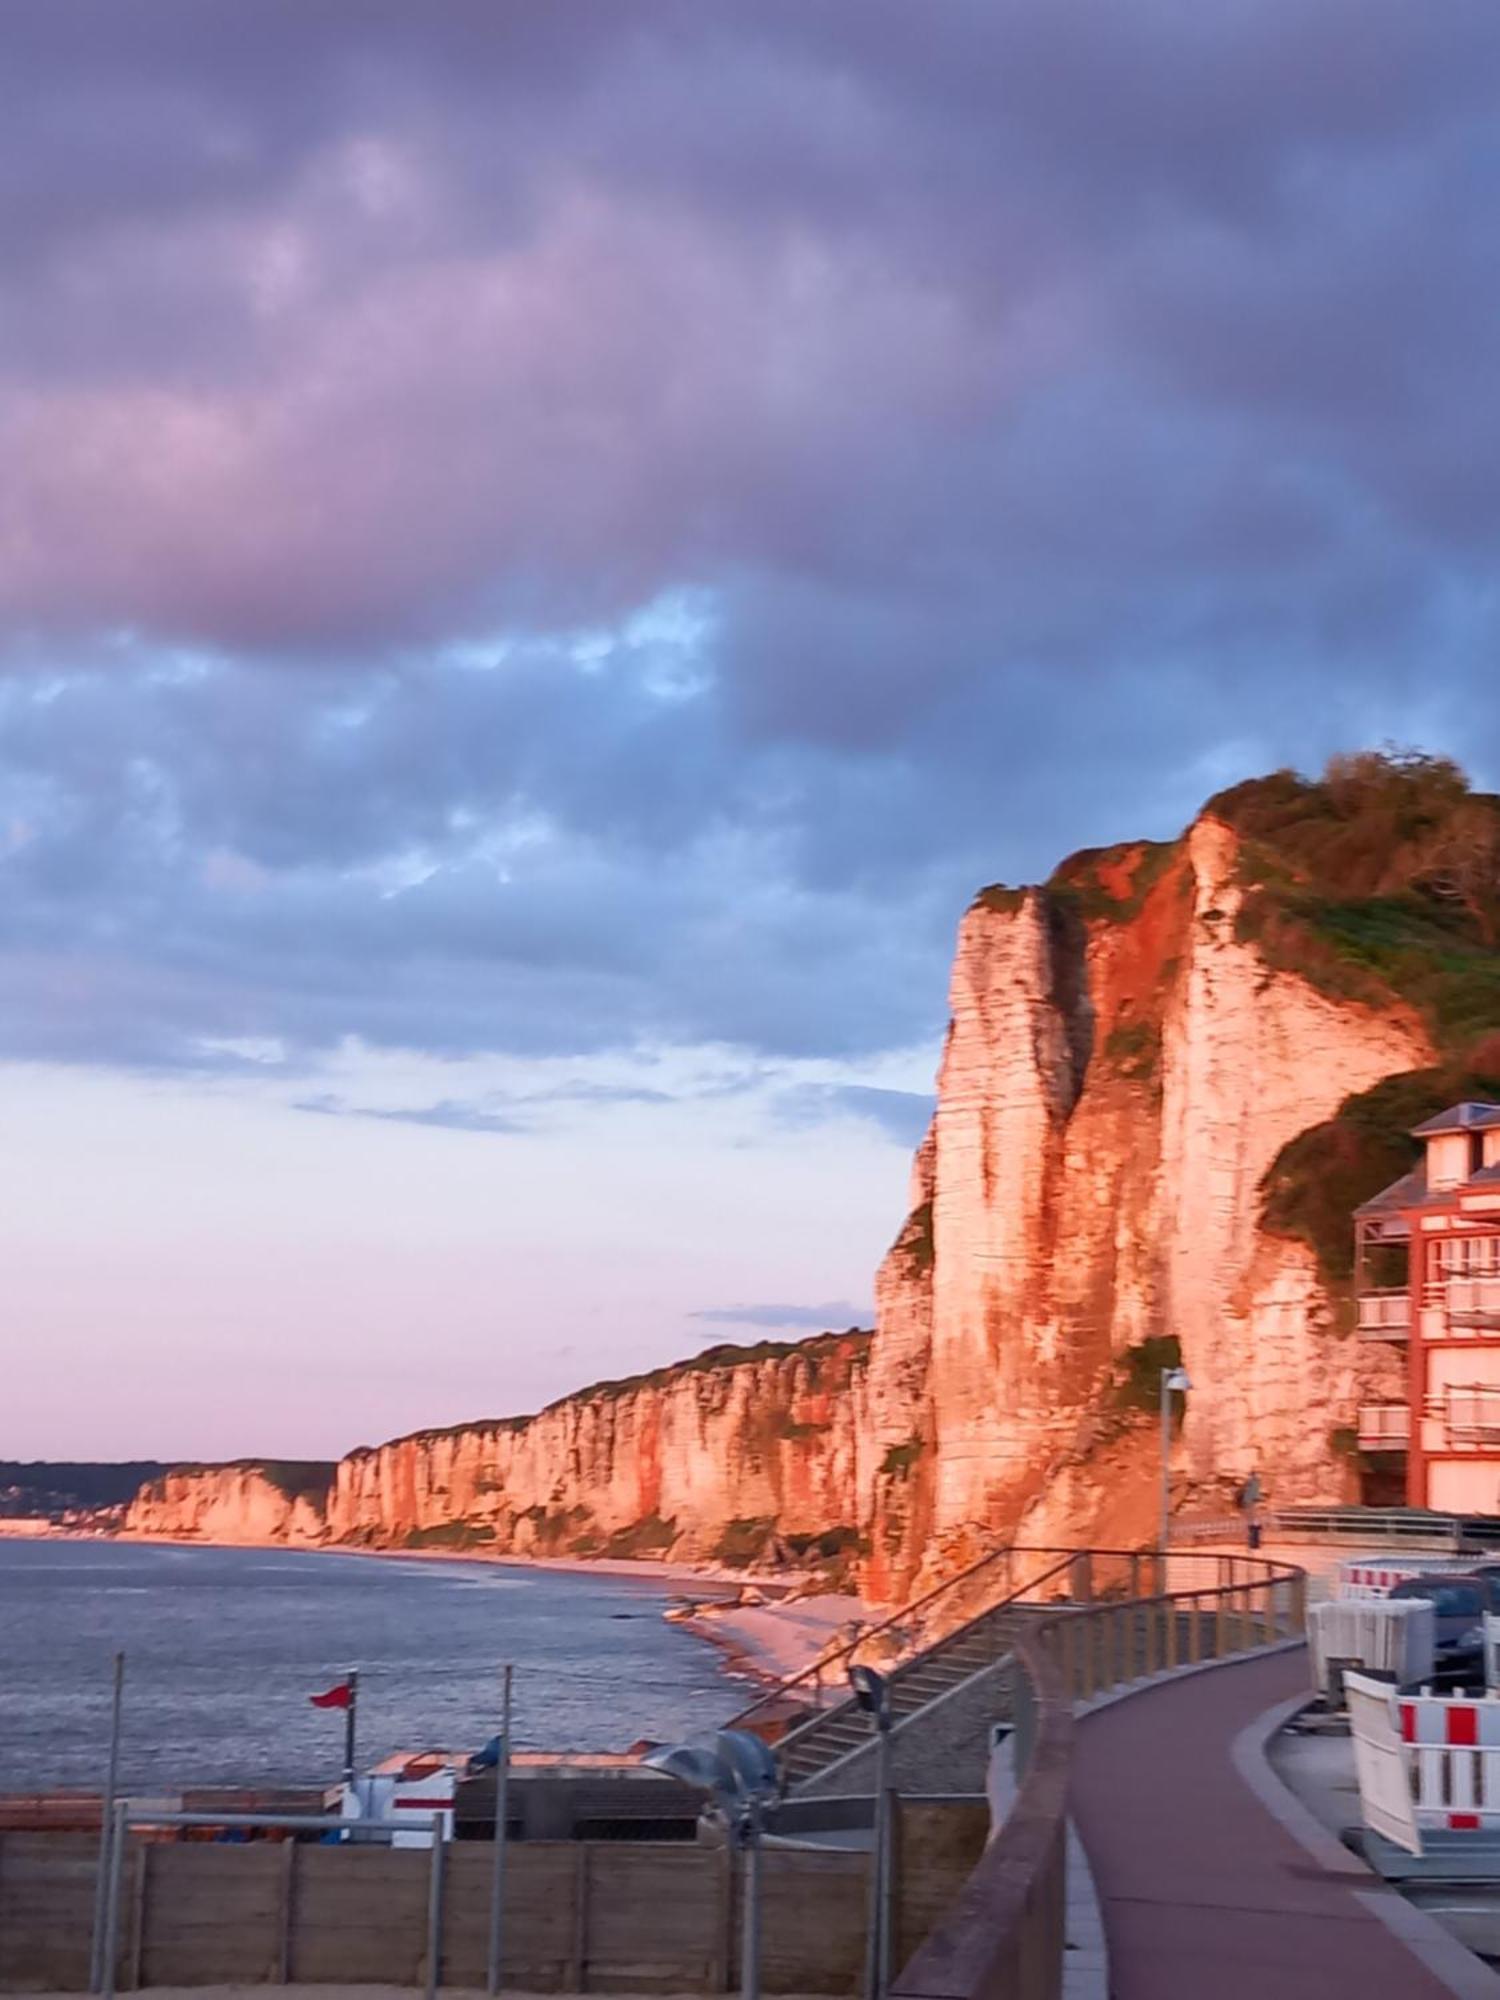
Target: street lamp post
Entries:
(873, 1694)
(1171, 1379)
(738, 1771)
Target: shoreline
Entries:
(768, 1641)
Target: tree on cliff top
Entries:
(1377, 823)
(1379, 881)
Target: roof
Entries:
(1466, 1117)
(1409, 1192)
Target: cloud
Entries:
(835, 1315)
(902, 1115)
(563, 530)
(448, 1115)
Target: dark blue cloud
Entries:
(559, 529)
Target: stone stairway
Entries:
(811, 1748)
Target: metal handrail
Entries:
(816, 1673)
(1005, 1931)
(935, 1651)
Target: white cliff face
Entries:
(1007, 1086)
(703, 1460)
(1252, 1058)
(226, 1503)
(1120, 1074)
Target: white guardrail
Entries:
(1426, 1763)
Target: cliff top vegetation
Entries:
(46, 1487)
(815, 1350)
(297, 1478)
(1379, 881)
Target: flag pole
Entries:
(107, 1827)
(352, 1681)
(502, 1801)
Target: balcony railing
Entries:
(1472, 1416)
(1384, 1426)
(1385, 1315)
(1474, 1301)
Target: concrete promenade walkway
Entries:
(1204, 1894)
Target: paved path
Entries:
(1205, 1895)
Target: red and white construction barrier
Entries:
(1427, 1763)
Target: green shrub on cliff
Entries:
(915, 1245)
(1138, 1371)
(1112, 882)
(1318, 1179)
(1378, 881)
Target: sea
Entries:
(224, 1647)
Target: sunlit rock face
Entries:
(247, 1502)
(717, 1457)
(1123, 1065)
(737, 1455)
(1120, 1072)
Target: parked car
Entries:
(1458, 1607)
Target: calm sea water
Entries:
(224, 1646)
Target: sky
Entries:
(546, 552)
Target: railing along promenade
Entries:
(1003, 1939)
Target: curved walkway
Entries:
(1205, 1895)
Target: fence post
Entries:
(283, 1972)
(107, 1821)
(112, 1902)
(722, 1972)
(435, 1909)
(581, 1918)
(138, 1910)
(1221, 1625)
(1081, 1582)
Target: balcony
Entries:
(1472, 1416)
(1385, 1315)
(1474, 1302)
(1384, 1426)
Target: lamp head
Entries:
(872, 1692)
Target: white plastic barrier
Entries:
(1426, 1763)
(1384, 1635)
(396, 1799)
(1377, 1576)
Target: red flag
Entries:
(338, 1696)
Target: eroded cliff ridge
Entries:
(1171, 1073)
(736, 1455)
(1154, 1070)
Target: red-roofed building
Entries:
(1427, 1274)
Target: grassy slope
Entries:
(1380, 884)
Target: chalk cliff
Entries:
(1143, 1151)
(736, 1454)
(1122, 1068)
(249, 1500)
